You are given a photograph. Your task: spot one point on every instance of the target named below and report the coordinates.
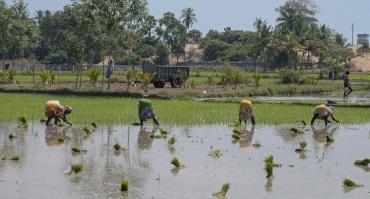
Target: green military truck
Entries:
(163, 74)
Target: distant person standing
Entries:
(347, 85)
(110, 67)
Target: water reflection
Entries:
(56, 136)
(144, 141)
(320, 135)
(246, 138)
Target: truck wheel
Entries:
(159, 84)
(176, 82)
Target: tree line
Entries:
(87, 30)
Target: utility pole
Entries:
(352, 32)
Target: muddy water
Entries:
(146, 163)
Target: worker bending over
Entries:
(324, 112)
(246, 112)
(55, 110)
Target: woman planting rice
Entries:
(246, 112)
(55, 110)
(323, 112)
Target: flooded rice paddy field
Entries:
(318, 173)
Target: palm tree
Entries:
(188, 17)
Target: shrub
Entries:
(44, 76)
(93, 75)
(290, 77)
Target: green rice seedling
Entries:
(124, 185)
(22, 122)
(60, 140)
(236, 131)
(304, 123)
(117, 147)
(257, 144)
(94, 125)
(76, 168)
(329, 139)
(87, 130)
(349, 183)
(175, 162)
(163, 132)
(269, 168)
(60, 124)
(302, 147)
(296, 131)
(152, 136)
(11, 136)
(15, 158)
(76, 150)
(224, 189)
(235, 136)
(215, 153)
(270, 160)
(234, 124)
(42, 120)
(172, 141)
(364, 162)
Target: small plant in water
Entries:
(296, 131)
(175, 162)
(60, 140)
(364, 162)
(215, 153)
(329, 139)
(76, 168)
(94, 125)
(42, 120)
(269, 168)
(15, 158)
(117, 147)
(22, 122)
(124, 185)
(302, 147)
(76, 150)
(163, 131)
(236, 131)
(257, 144)
(224, 189)
(87, 130)
(235, 136)
(155, 136)
(11, 136)
(349, 183)
(172, 141)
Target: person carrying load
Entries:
(55, 110)
(146, 111)
(246, 112)
(323, 112)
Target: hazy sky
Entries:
(240, 14)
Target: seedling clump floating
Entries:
(15, 158)
(124, 185)
(349, 183)
(364, 162)
(76, 150)
(60, 140)
(11, 136)
(22, 122)
(117, 147)
(224, 189)
(257, 144)
(87, 130)
(175, 162)
(270, 165)
(296, 131)
(215, 153)
(76, 168)
(172, 141)
(163, 132)
(302, 147)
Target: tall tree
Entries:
(188, 17)
(173, 34)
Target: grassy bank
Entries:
(115, 110)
